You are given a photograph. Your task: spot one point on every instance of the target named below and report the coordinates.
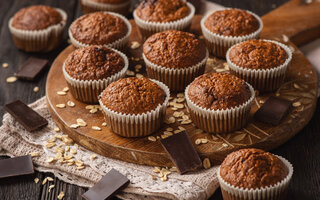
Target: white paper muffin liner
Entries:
(39, 40)
(175, 79)
(137, 125)
(220, 121)
(275, 192)
(219, 44)
(264, 80)
(118, 44)
(148, 28)
(88, 90)
(92, 6)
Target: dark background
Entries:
(303, 151)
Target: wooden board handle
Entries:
(299, 21)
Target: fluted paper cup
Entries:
(175, 79)
(274, 192)
(219, 44)
(148, 28)
(263, 80)
(39, 40)
(89, 6)
(88, 90)
(137, 125)
(118, 44)
(220, 121)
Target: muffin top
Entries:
(36, 18)
(162, 10)
(93, 63)
(133, 95)
(258, 54)
(174, 49)
(218, 91)
(110, 1)
(252, 168)
(98, 28)
(232, 22)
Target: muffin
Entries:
(224, 28)
(100, 28)
(38, 28)
(153, 16)
(254, 174)
(219, 103)
(118, 6)
(262, 63)
(134, 107)
(175, 58)
(89, 70)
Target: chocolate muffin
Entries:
(258, 171)
(118, 6)
(26, 24)
(263, 63)
(224, 28)
(219, 103)
(100, 28)
(139, 100)
(90, 69)
(153, 16)
(181, 52)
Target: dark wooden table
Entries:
(303, 151)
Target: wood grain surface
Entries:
(302, 150)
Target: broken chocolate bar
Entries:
(31, 68)
(112, 182)
(182, 152)
(27, 117)
(16, 166)
(273, 111)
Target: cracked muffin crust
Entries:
(133, 95)
(218, 91)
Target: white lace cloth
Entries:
(16, 141)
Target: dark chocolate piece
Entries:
(112, 182)
(31, 68)
(273, 110)
(27, 117)
(16, 166)
(182, 152)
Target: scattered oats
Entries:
(186, 122)
(180, 95)
(164, 136)
(76, 145)
(35, 154)
(178, 114)
(80, 167)
(174, 109)
(181, 99)
(296, 86)
(185, 117)
(61, 93)
(178, 105)
(5, 65)
(104, 124)
(49, 179)
(206, 163)
(296, 104)
(49, 145)
(285, 38)
(68, 157)
(78, 163)
(71, 104)
(156, 169)
(168, 133)
(90, 107)
(52, 140)
(69, 164)
(197, 131)
(65, 89)
(129, 73)
(67, 148)
(93, 156)
(152, 138)
(36, 89)
(181, 128)
(50, 188)
(61, 195)
(137, 68)
(62, 105)
(170, 120)
(74, 126)
(210, 61)
(136, 59)
(277, 94)
(66, 139)
(164, 178)
(135, 45)
(261, 101)
(169, 129)
(96, 128)
(73, 151)
(139, 75)
(153, 177)
(36, 180)
(204, 140)
(198, 141)
(173, 169)
(81, 122)
(11, 79)
(158, 137)
(170, 98)
(177, 131)
(44, 181)
(225, 145)
(92, 111)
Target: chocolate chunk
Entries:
(273, 110)
(27, 117)
(112, 182)
(31, 68)
(16, 166)
(182, 152)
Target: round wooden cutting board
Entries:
(300, 87)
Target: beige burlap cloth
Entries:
(16, 141)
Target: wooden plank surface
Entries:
(303, 150)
